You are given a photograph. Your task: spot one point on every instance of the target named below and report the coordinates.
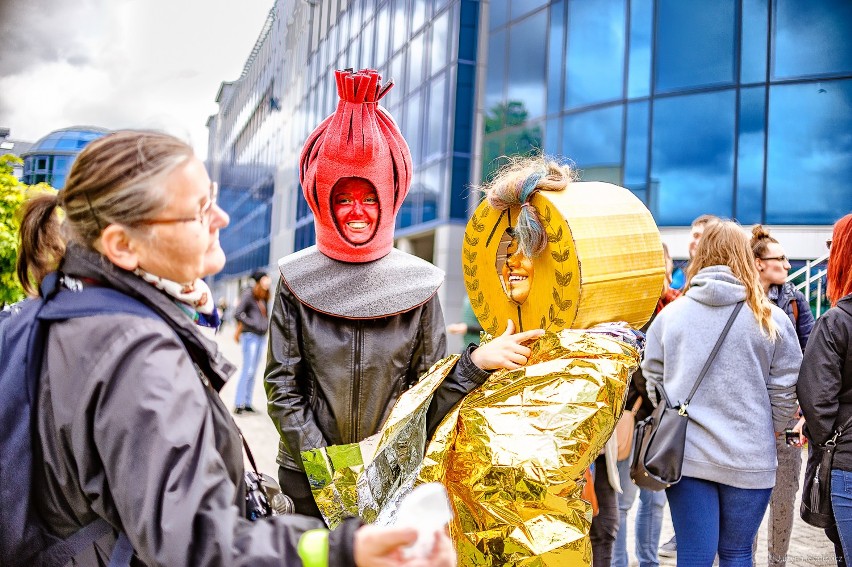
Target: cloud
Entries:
(152, 64)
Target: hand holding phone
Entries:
(793, 437)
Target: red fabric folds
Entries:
(362, 140)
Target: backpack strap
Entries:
(794, 305)
(60, 553)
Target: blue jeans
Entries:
(649, 520)
(251, 344)
(841, 503)
(711, 518)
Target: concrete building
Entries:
(739, 108)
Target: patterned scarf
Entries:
(193, 298)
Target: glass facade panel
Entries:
(495, 81)
(498, 14)
(413, 128)
(555, 56)
(418, 14)
(527, 73)
(587, 138)
(415, 62)
(552, 137)
(639, 58)
(692, 157)
(595, 66)
(695, 43)
(522, 7)
(400, 24)
(440, 42)
(636, 149)
(812, 38)
(753, 41)
(810, 157)
(436, 139)
(367, 45)
(751, 155)
(382, 34)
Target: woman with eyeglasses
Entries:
(772, 269)
(131, 432)
(825, 382)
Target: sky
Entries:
(121, 63)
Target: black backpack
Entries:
(24, 538)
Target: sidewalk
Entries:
(808, 545)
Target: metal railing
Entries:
(814, 271)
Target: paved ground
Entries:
(808, 545)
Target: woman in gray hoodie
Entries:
(743, 403)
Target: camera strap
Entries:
(248, 453)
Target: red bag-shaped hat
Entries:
(359, 140)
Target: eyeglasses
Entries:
(779, 258)
(828, 244)
(204, 213)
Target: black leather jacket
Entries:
(331, 380)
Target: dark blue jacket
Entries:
(783, 296)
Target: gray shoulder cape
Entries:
(393, 284)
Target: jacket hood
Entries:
(845, 303)
(85, 263)
(716, 286)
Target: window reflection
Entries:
(692, 157)
(592, 138)
(809, 152)
(639, 59)
(526, 65)
(555, 56)
(522, 7)
(595, 66)
(498, 13)
(812, 38)
(440, 38)
(415, 62)
(495, 74)
(695, 43)
(753, 37)
(750, 155)
(636, 149)
(436, 143)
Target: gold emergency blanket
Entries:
(363, 479)
(511, 454)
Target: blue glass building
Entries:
(49, 160)
(740, 108)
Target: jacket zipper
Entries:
(356, 386)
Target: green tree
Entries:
(13, 193)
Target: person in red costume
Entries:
(356, 322)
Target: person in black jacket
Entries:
(252, 323)
(356, 322)
(825, 381)
(131, 428)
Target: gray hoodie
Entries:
(749, 392)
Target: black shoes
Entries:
(246, 409)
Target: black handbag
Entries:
(660, 439)
(816, 491)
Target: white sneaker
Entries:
(668, 549)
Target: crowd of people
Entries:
(131, 429)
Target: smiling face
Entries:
(516, 273)
(771, 268)
(355, 207)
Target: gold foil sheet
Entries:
(511, 454)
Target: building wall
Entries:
(739, 108)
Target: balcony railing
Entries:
(812, 284)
